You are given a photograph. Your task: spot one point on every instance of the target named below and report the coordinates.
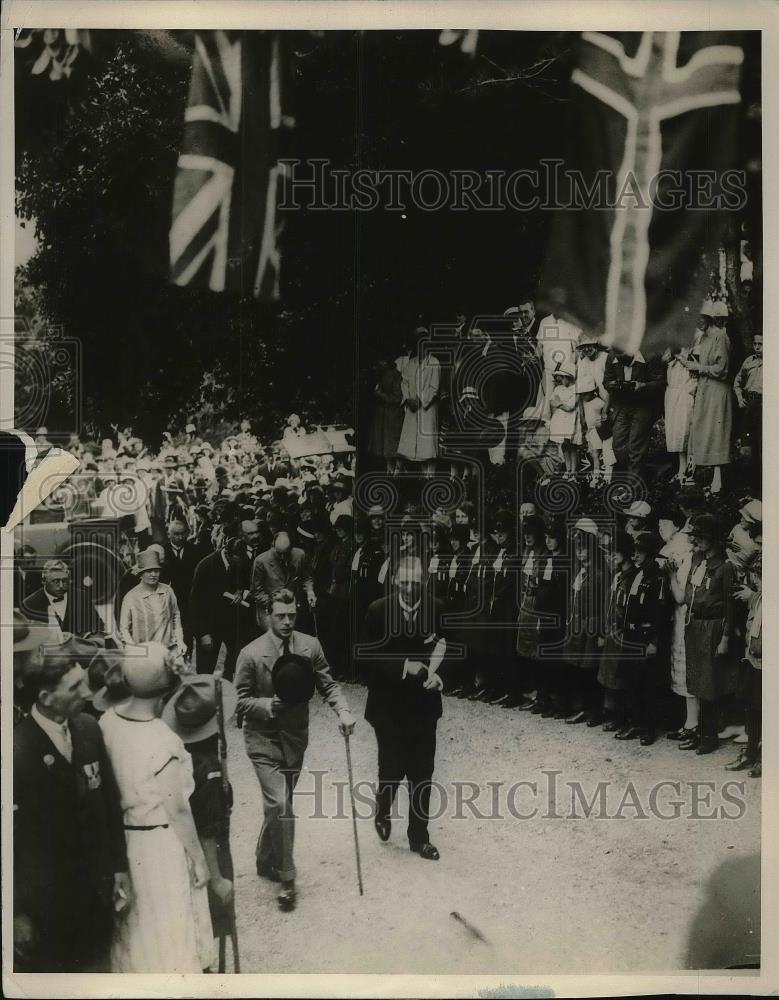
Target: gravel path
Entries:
(583, 895)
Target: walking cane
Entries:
(354, 813)
(220, 719)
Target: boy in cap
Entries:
(192, 714)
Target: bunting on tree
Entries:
(652, 139)
(225, 228)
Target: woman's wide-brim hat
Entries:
(191, 712)
(293, 678)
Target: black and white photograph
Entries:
(397, 609)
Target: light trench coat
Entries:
(419, 434)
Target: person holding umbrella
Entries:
(276, 677)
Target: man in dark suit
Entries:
(59, 602)
(181, 558)
(283, 566)
(220, 610)
(70, 859)
(636, 391)
(401, 652)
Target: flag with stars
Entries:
(225, 227)
(651, 168)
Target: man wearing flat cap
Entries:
(70, 859)
(274, 679)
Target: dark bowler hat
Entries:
(293, 678)
(191, 712)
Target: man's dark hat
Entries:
(293, 678)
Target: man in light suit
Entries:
(276, 732)
(283, 566)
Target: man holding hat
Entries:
(276, 676)
(70, 859)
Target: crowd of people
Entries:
(588, 563)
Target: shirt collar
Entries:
(279, 643)
(55, 730)
(410, 609)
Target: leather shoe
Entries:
(627, 734)
(287, 897)
(741, 763)
(594, 720)
(757, 770)
(527, 706)
(576, 719)
(706, 746)
(500, 700)
(612, 727)
(477, 694)
(426, 851)
(267, 871)
(647, 739)
(383, 828)
(691, 743)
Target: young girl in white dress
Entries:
(564, 422)
(167, 925)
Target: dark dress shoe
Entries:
(594, 720)
(575, 720)
(691, 743)
(527, 706)
(456, 692)
(477, 694)
(500, 700)
(383, 828)
(426, 851)
(267, 871)
(647, 739)
(680, 734)
(511, 703)
(561, 713)
(550, 712)
(287, 897)
(537, 709)
(706, 746)
(612, 727)
(741, 763)
(627, 734)
(757, 770)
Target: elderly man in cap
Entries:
(275, 677)
(70, 859)
(150, 611)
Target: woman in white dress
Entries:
(167, 925)
(679, 401)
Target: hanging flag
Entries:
(652, 137)
(225, 228)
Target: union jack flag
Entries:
(647, 108)
(225, 229)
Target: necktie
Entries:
(285, 647)
(67, 743)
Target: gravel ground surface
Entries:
(563, 895)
